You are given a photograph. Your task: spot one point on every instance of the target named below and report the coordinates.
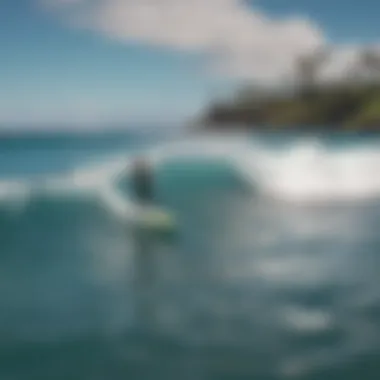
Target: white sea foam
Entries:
(310, 172)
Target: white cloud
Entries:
(235, 38)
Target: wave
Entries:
(306, 170)
(310, 171)
(303, 170)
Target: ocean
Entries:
(274, 272)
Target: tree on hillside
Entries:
(370, 63)
(308, 68)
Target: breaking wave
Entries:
(306, 170)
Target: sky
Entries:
(90, 63)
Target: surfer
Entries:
(142, 181)
(142, 178)
(150, 215)
(152, 226)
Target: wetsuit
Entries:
(142, 183)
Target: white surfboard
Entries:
(155, 219)
(149, 218)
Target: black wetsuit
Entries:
(142, 184)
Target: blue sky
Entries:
(81, 64)
(343, 20)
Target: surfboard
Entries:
(155, 219)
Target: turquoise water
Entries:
(274, 273)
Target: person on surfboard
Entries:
(151, 216)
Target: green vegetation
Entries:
(353, 103)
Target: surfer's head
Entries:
(141, 165)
